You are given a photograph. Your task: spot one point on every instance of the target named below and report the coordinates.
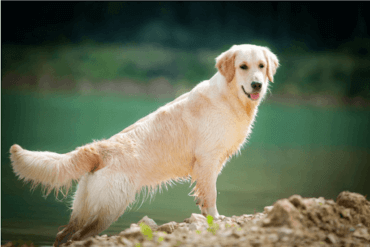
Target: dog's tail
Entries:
(53, 170)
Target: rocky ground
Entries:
(295, 221)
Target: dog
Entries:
(191, 137)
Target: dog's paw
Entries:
(199, 202)
(204, 211)
(211, 211)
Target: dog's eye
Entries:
(243, 66)
(261, 66)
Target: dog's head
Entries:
(250, 67)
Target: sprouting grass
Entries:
(146, 230)
(212, 227)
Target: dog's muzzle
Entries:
(256, 91)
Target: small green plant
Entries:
(160, 239)
(209, 219)
(137, 245)
(198, 231)
(146, 230)
(239, 228)
(212, 226)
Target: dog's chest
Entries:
(234, 135)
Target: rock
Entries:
(285, 230)
(221, 217)
(183, 224)
(283, 213)
(226, 233)
(255, 229)
(134, 225)
(181, 230)
(268, 209)
(150, 222)
(355, 201)
(285, 239)
(248, 216)
(273, 237)
(332, 238)
(148, 244)
(195, 226)
(362, 233)
(266, 222)
(226, 219)
(168, 227)
(131, 233)
(195, 218)
(126, 242)
(256, 242)
(297, 201)
(358, 204)
(229, 223)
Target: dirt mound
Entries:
(295, 221)
(343, 223)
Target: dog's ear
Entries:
(272, 64)
(225, 63)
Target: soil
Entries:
(295, 221)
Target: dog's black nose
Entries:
(256, 85)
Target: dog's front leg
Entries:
(205, 189)
(207, 210)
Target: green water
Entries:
(292, 150)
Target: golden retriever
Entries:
(193, 136)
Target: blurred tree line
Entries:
(186, 24)
(319, 46)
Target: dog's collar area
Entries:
(249, 96)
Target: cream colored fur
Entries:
(193, 136)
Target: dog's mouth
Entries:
(252, 96)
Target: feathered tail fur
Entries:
(53, 170)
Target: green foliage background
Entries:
(341, 73)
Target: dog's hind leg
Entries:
(77, 216)
(100, 200)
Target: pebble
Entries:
(285, 230)
(332, 238)
(168, 227)
(273, 238)
(268, 209)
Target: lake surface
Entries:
(293, 150)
